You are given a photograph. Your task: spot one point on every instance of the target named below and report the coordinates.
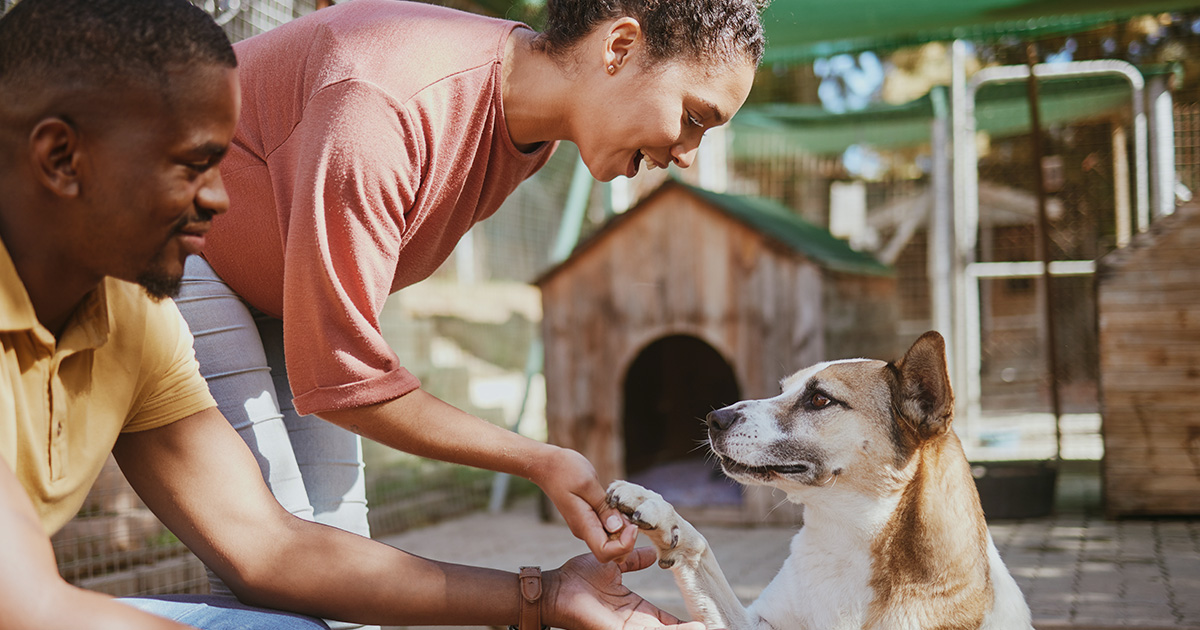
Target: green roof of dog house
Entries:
(769, 218)
(777, 221)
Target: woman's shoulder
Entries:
(389, 13)
(399, 46)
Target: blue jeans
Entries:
(211, 612)
(314, 468)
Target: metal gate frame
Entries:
(954, 271)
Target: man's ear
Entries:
(54, 147)
(924, 397)
(624, 35)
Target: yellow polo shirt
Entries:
(124, 363)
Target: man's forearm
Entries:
(306, 570)
(204, 484)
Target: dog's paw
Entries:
(650, 512)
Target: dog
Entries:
(894, 537)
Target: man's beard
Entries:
(159, 284)
(156, 280)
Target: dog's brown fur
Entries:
(922, 544)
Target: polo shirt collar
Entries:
(89, 324)
(87, 328)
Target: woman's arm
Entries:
(421, 424)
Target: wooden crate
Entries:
(1149, 320)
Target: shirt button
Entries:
(58, 430)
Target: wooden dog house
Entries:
(1149, 321)
(690, 301)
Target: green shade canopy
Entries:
(760, 131)
(800, 30)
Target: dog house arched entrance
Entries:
(669, 388)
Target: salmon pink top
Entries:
(372, 137)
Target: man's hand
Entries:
(587, 594)
(572, 485)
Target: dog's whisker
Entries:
(831, 481)
(775, 507)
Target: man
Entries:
(113, 117)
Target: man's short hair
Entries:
(105, 42)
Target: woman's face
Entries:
(642, 116)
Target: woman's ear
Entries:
(621, 40)
(54, 150)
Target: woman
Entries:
(373, 135)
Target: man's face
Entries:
(154, 185)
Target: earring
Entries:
(612, 68)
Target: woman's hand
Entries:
(570, 481)
(585, 594)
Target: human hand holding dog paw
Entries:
(570, 480)
(586, 594)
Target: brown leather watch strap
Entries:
(531, 598)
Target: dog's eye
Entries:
(819, 401)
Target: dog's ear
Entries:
(924, 397)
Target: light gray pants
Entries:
(210, 612)
(314, 467)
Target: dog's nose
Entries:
(721, 419)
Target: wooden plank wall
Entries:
(679, 267)
(1149, 319)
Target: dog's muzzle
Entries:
(721, 419)
(799, 465)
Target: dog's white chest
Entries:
(835, 583)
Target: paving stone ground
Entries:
(1077, 569)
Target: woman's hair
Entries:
(724, 29)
